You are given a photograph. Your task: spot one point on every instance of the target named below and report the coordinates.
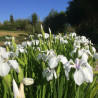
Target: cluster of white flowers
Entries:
(82, 45)
(83, 73)
(5, 63)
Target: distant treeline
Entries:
(30, 25)
(55, 21)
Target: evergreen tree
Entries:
(11, 19)
(34, 19)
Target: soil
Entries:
(12, 34)
(19, 37)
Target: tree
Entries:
(29, 27)
(83, 16)
(52, 13)
(11, 19)
(56, 21)
(0, 25)
(34, 19)
(21, 24)
(6, 25)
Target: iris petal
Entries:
(4, 69)
(15, 89)
(53, 62)
(78, 77)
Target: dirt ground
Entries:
(2, 33)
(19, 37)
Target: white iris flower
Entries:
(5, 67)
(83, 73)
(53, 62)
(49, 74)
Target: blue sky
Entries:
(24, 8)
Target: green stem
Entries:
(9, 89)
(78, 92)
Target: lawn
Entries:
(20, 36)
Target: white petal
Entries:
(37, 42)
(74, 51)
(21, 50)
(63, 59)
(84, 57)
(88, 66)
(29, 43)
(88, 74)
(78, 77)
(4, 69)
(77, 61)
(39, 56)
(14, 64)
(46, 35)
(45, 72)
(49, 76)
(15, 89)
(93, 49)
(88, 52)
(44, 57)
(5, 54)
(67, 70)
(55, 74)
(28, 81)
(53, 62)
(96, 56)
(80, 53)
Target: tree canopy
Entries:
(56, 21)
(34, 19)
(83, 16)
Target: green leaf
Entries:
(20, 75)
(8, 80)
(89, 89)
(95, 72)
(25, 58)
(45, 47)
(44, 91)
(60, 87)
(58, 70)
(21, 62)
(94, 91)
(43, 33)
(5, 90)
(14, 44)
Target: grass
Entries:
(15, 31)
(19, 36)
